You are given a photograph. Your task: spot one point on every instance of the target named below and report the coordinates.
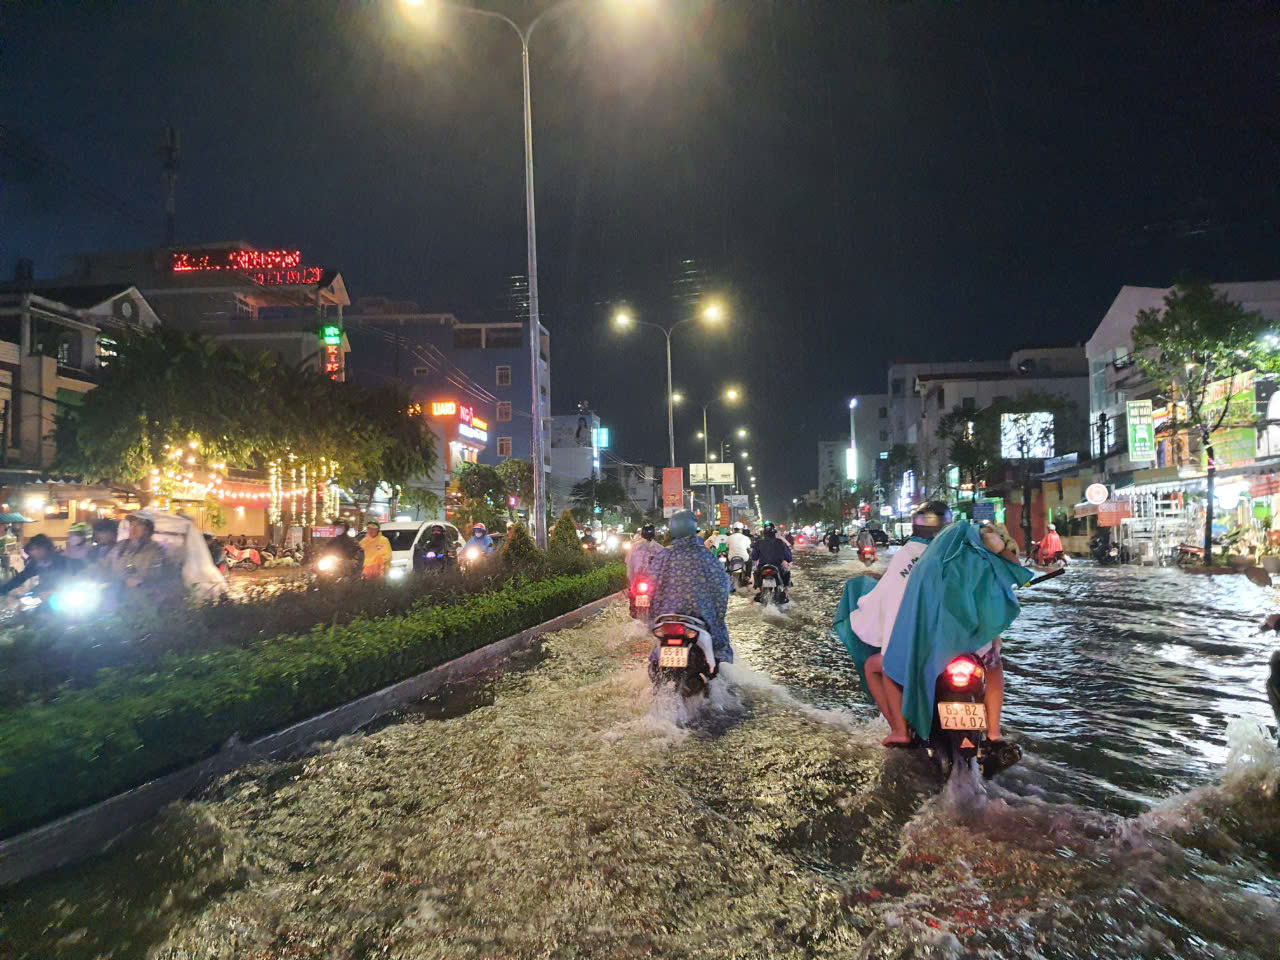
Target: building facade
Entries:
(575, 455)
(833, 460)
(872, 438)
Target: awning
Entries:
(1085, 509)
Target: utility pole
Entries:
(170, 149)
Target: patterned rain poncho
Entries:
(690, 581)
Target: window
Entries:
(884, 413)
(502, 338)
(896, 388)
(504, 412)
(421, 371)
(968, 403)
(504, 446)
(942, 398)
(504, 376)
(884, 436)
(466, 337)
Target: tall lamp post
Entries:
(730, 395)
(538, 510)
(712, 313)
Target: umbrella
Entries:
(14, 518)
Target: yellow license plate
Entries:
(642, 600)
(674, 657)
(963, 716)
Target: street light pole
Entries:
(671, 417)
(706, 461)
(538, 510)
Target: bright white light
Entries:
(853, 403)
(473, 553)
(327, 563)
(1026, 436)
(396, 573)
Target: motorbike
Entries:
(685, 658)
(335, 564)
(437, 562)
(1104, 551)
(737, 570)
(867, 554)
(960, 722)
(771, 589)
(641, 596)
(833, 544)
(1034, 557)
(1273, 686)
(246, 559)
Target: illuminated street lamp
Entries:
(623, 320)
(742, 433)
(728, 395)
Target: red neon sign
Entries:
(464, 414)
(275, 278)
(333, 361)
(191, 261)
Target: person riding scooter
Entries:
(832, 540)
(480, 538)
(434, 552)
(772, 550)
(1050, 547)
(689, 581)
(642, 552)
(739, 544)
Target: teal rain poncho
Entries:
(854, 590)
(959, 598)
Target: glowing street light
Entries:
(622, 319)
(742, 433)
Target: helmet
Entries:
(478, 528)
(81, 528)
(647, 531)
(683, 524)
(1051, 527)
(437, 531)
(724, 531)
(929, 520)
(737, 527)
(769, 529)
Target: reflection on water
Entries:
(566, 811)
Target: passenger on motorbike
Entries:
(739, 544)
(78, 546)
(689, 581)
(772, 550)
(643, 550)
(872, 620)
(434, 551)
(43, 561)
(480, 538)
(1050, 546)
(865, 539)
(377, 552)
(718, 542)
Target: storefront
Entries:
(463, 435)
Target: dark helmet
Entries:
(929, 520)
(683, 524)
(647, 531)
(769, 530)
(437, 531)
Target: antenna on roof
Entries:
(170, 149)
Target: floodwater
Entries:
(562, 810)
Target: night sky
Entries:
(858, 181)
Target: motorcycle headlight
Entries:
(328, 563)
(396, 573)
(76, 600)
(473, 553)
(611, 543)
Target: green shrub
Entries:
(131, 727)
(564, 549)
(520, 555)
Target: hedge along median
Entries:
(129, 728)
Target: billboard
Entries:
(1026, 436)
(721, 474)
(672, 488)
(1142, 431)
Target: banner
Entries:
(737, 500)
(672, 488)
(721, 474)
(1142, 431)
(1113, 511)
(724, 514)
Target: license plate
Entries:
(770, 582)
(642, 600)
(963, 716)
(674, 657)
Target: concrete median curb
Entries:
(89, 830)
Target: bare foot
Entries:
(993, 736)
(894, 739)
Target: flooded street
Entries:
(562, 810)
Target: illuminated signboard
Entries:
(467, 430)
(464, 414)
(444, 408)
(331, 335)
(333, 361)
(192, 261)
(277, 278)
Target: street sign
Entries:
(737, 500)
(672, 489)
(984, 510)
(721, 474)
(1097, 493)
(1142, 431)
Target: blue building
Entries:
(484, 366)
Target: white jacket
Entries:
(739, 546)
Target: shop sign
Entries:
(1097, 493)
(1236, 447)
(721, 474)
(672, 489)
(444, 408)
(723, 510)
(1264, 486)
(472, 433)
(1054, 464)
(1142, 431)
(1111, 513)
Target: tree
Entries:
(518, 476)
(590, 492)
(484, 494)
(1197, 350)
(392, 443)
(519, 553)
(564, 549)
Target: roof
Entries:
(76, 297)
(1000, 375)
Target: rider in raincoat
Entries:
(688, 580)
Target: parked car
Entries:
(404, 536)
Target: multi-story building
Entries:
(643, 486)
(872, 440)
(833, 456)
(574, 451)
(483, 363)
(905, 405)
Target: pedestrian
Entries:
(377, 551)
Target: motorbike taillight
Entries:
(642, 586)
(962, 671)
(673, 634)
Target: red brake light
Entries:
(962, 671)
(800, 539)
(642, 586)
(673, 641)
(673, 630)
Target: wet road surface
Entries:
(564, 810)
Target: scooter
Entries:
(960, 722)
(641, 596)
(737, 570)
(833, 544)
(685, 658)
(246, 559)
(334, 565)
(867, 554)
(771, 590)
